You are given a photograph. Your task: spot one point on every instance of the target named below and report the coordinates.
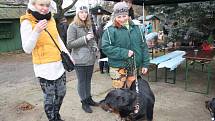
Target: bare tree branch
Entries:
(60, 10)
(69, 7)
(59, 4)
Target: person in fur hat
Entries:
(122, 41)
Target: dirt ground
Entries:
(18, 85)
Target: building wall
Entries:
(10, 39)
(156, 25)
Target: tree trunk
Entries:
(60, 14)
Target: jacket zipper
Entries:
(129, 35)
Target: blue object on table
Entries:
(172, 63)
(167, 57)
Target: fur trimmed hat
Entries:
(120, 8)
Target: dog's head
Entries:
(210, 105)
(119, 101)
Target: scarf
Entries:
(39, 16)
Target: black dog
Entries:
(131, 106)
(210, 105)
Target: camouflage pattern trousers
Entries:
(120, 78)
(54, 92)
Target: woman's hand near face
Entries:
(41, 25)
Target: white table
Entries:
(168, 61)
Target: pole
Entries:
(143, 13)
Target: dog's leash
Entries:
(137, 106)
(132, 70)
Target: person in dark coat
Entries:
(102, 65)
(131, 10)
(63, 26)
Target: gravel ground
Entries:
(18, 85)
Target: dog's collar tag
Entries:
(136, 109)
(212, 119)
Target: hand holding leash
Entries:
(130, 53)
(144, 70)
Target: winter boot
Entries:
(59, 117)
(91, 102)
(86, 106)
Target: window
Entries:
(6, 31)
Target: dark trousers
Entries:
(54, 92)
(84, 75)
(103, 65)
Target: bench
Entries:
(172, 65)
(168, 61)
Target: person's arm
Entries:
(113, 51)
(94, 41)
(72, 40)
(63, 48)
(145, 56)
(145, 51)
(29, 36)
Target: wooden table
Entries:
(151, 47)
(200, 55)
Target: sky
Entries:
(68, 2)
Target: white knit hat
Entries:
(81, 6)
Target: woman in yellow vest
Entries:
(46, 58)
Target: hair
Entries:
(117, 24)
(40, 1)
(79, 22)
